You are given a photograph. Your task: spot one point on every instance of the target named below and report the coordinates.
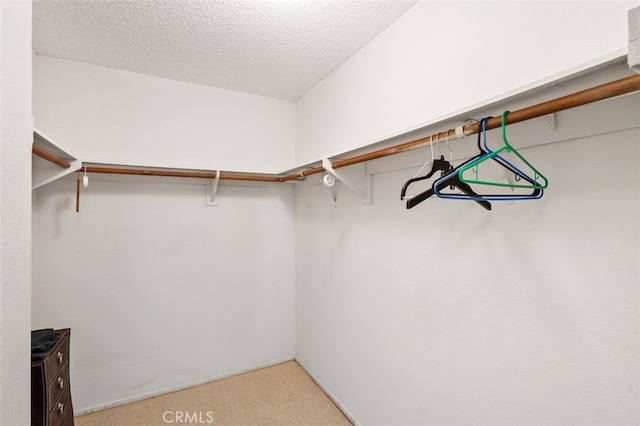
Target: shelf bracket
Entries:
(551, 121)
(211, 190)
(354, 177)
(74, 166)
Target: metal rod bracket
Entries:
(354, 177)
(551, 121)
(211, 189)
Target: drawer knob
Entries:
(60, 382)
(60, 355)
(61, 407)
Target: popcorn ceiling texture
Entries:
(279, 49)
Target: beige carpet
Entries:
(280, 395)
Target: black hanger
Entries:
(452, 179)
(454, 182)
(439, 164)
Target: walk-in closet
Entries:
(254, 212)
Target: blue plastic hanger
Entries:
(473, 166)
(454, 175)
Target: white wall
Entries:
(441, 58)
(103, 115)
(15, 211)
(449, 314)
(160, 291)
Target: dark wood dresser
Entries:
(50, 389)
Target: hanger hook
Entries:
(483, 130)
(428, 161)
(446, 139)
(504, 128)
(433, 157)
(438, 144)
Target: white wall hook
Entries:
(354, 177)
(211, 189)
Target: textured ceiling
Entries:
(276, 48)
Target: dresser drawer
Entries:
(58, 384)
(58, 357)
(67, 419)
(61, 407)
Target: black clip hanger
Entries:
(439, 164)
(453, 181)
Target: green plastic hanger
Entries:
(473, 166)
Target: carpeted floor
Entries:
(280, 395)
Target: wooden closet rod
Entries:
(168, 173)
(229, 176)
(605, 91)
(609, 90)
(50, 157)
(139, 172)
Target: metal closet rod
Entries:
(605, 91)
